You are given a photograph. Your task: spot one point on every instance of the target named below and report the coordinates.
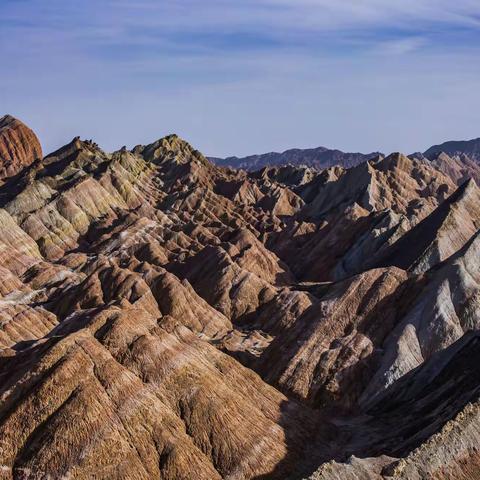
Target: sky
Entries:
(238, 77)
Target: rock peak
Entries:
(7, 120)
(19, 146)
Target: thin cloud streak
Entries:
(117, 20)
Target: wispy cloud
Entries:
(400, 46)
(122, 21)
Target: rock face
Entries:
(19, 147)
(163, 317)
(458, 167)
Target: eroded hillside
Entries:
(162, 317)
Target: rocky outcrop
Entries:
(435, 406)
(19, 147)
(396, 182)
(458, 167)
(327, 356)
(444, 309)
(444, 232)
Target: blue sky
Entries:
(244, 76)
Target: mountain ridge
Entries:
(323, 157)
(164, 317)
(319, 157)
(455, 147)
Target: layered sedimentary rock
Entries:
(434, 408)
(19, 146)
(459, 167)
(163, 317)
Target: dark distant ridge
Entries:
(319, 157)
(322, 157)
(467, 147)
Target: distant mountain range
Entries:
(467, 147)
(322, 157)
(319, 157)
